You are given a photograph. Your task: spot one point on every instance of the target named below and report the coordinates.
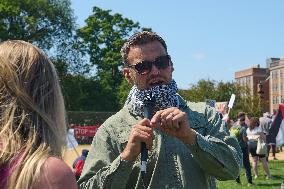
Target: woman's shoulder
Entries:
(55, 173)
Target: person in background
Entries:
(240, 132)
(78, 163)
(187, 143)
(253, 133)
(265, 124)
(32, 121)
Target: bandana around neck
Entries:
(162, 96)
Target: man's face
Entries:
(147, 52)
(242, 121)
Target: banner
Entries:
(89, 131)
(280, 135)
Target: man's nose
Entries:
(155, 70)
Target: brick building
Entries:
(276, 69)
(256, 79)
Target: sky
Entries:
(207, 39)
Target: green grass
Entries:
(276, 169)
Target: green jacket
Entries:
(171, 163)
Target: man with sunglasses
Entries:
(188, 146)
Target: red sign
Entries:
(85, 130)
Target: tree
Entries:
(102, 39)
(45, 23)
(251, 104)
(50, 25)
(82, 94)
(221, 92)
(204, 89)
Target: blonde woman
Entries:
(253, 133)
(32, 121)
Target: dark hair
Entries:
(241, 114)
(140, 38)
(242, 118)
(85, 152)
(254, 121)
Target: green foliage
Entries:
(88, 118)
(221, 92)
(204, 89)
(102, 39)
(49, 24)
(85, 94)
(42, 22)
(124, 89)
(276, 169)
(251, 104)
(210, 89)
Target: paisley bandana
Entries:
(162, 96)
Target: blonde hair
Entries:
(32, 113)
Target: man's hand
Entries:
(139, 133)
(175, 123)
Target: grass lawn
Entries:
(276, 169)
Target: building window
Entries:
(248, 80)
(273, 100)
(282, 99)
(273, 87)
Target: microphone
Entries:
(148, 113)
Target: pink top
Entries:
(7, 170)
(55, 173)
(4, 174)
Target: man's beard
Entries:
(162, 96)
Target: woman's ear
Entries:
(127, 75)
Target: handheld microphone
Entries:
(148, 113)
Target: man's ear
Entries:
(172, 65)
(127, 75)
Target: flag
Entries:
(277, 127)
(280, 135)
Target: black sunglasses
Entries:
(145, 67)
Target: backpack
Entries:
(79, 167)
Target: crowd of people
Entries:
(186, 144)
(249, 131)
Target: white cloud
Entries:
(199, 56)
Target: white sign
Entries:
(71, 141)
(232, 100)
